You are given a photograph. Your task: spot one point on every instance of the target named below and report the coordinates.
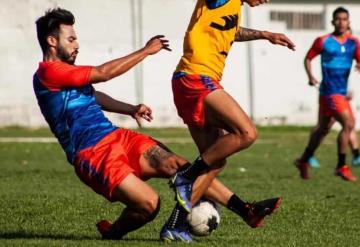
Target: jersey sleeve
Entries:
(315, 49)
(63, 75)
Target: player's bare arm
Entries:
(247, 34)
(110, 104)
(308, 68)
(121, 65)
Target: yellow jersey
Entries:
(209, 37)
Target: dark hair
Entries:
(49, 24)
(340, 10)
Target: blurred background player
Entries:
(353, 143)
(337, 50)
(113, 161)
(216, 122)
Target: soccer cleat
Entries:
(171, 235)
(104, 227)
(183, 189)
(303, 168)
(345, 173)
(314, 163)
(356, 161)
(258, 210)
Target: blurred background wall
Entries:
(269, 82)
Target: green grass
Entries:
(42, 202)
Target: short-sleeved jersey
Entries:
(68, 103)
(209, 37)
(336, 62)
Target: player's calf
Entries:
(130, 220)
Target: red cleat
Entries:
(258, 210)
(345, 173)
(103, 227)
(303, 168)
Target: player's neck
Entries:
(50, 57)
(340, 35)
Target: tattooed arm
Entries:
(247, 34)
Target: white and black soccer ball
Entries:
(204, 218)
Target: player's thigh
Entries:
(136, 194)
(345, 118)
(325, 122)
(222, 111)
(158, 161)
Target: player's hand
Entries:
(156, 44)
(253, 3)
(357, 67)
(279, 39)
(313, 82)
(349, 96)
(142, 111)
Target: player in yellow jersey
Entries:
(217, 123)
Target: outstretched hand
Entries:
(279, 39)
(156, 44)
(142, 111)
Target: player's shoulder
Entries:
(214, 4)
(50, 70)
(354, 38)
(323, 37)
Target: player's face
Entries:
(253, 3)
(341, 23)
(67, 47)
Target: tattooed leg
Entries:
(159, 161)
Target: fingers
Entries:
(158, 37)
(165, 44)
(289, 43)
(138, 121)
(145, 112)
(281, 39)
(158, 43)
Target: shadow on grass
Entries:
(26, 235)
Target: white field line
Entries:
(176, 140)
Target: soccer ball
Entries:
(204, 218)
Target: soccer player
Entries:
(353, 142)
(113, 161)
(337, 50)
(216, 122)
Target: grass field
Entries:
(42, 202)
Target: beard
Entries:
(65, 56)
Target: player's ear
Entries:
(52, 41)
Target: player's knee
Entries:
(152, 207)
(324, 131)
(348, 126)
(246, 137)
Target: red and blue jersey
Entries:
(336, 62)
(67, 101)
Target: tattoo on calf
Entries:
(156, 156)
